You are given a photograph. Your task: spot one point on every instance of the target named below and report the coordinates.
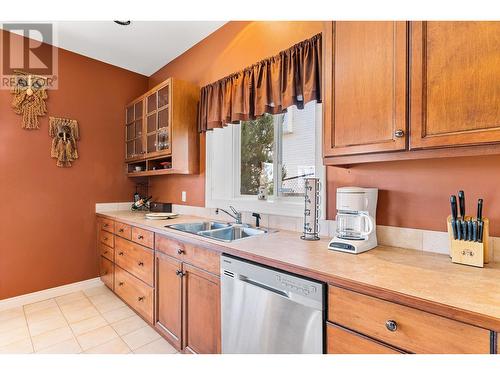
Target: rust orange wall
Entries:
(415, 193)
(233, 47)
(47, 223)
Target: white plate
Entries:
(161, 215)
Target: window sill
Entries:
(277, 207)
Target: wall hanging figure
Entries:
(30, 93)
(64, 133)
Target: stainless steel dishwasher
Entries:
(265, 310)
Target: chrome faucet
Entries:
(236, 215)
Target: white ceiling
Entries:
(142, 47)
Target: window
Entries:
(273, 153)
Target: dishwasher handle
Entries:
(245, 279)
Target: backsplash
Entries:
(409, 238)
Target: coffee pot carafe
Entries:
(356, 226)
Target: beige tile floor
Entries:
(92, 321)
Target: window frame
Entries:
(275, 204)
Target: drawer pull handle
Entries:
(180, 273)
(140, 299)
(105, 239)
(140, 237)
(120, 283)
(141, 264)
(105, 252)
(120, 230)
(180, 251)
(105, 225)
(399, 133)
(391, 325)
(120, 253)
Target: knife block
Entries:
(468, 252)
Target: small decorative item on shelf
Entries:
(29, 98)
(311, 209)
(166, 164)
(64, 133)
(469, 236)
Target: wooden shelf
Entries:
(156, 172)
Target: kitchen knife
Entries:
(461, 203)
(480, 224)
(474, 231)
(479, 231)
(464, 230)
(469, 230)
(453, 202)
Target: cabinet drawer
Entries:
(197, 256)
(343, 341)
(143, 237)
(123, 230)
(106, 224)
(106, 252)
(134, 258)
(135, 293)
(106, 272)
(412, 330)
(107, 238)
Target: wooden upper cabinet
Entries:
(455, 83)
(169, 298)
(365, 80)
(161, 130)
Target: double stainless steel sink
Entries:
(219, 231)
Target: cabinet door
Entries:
(365, 102)
(201, 317)
(455, 83)
(169, 298)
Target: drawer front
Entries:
(106, 224)
(106, 272)
(134, 258)
(404, 327)
(123, 230)
(107, 238)
(143, 237)
(343, 341)
(197, 256)
(106, 252)
(135, 293)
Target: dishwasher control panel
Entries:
(295, 286)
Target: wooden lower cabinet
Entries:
(407, 328)
(201, 311)
(344, 341)
(169, 298)
(135, 293)
(187, 305)
(106, 268)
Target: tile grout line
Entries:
(67, 322)
(109, 324)
(28, 327)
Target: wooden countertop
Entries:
(428, 281)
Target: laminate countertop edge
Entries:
(477, 302)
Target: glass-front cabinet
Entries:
(158, 122)
(134, 144)
(160, 130)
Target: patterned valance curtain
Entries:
(293, 77)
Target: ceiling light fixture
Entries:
(123, 23)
